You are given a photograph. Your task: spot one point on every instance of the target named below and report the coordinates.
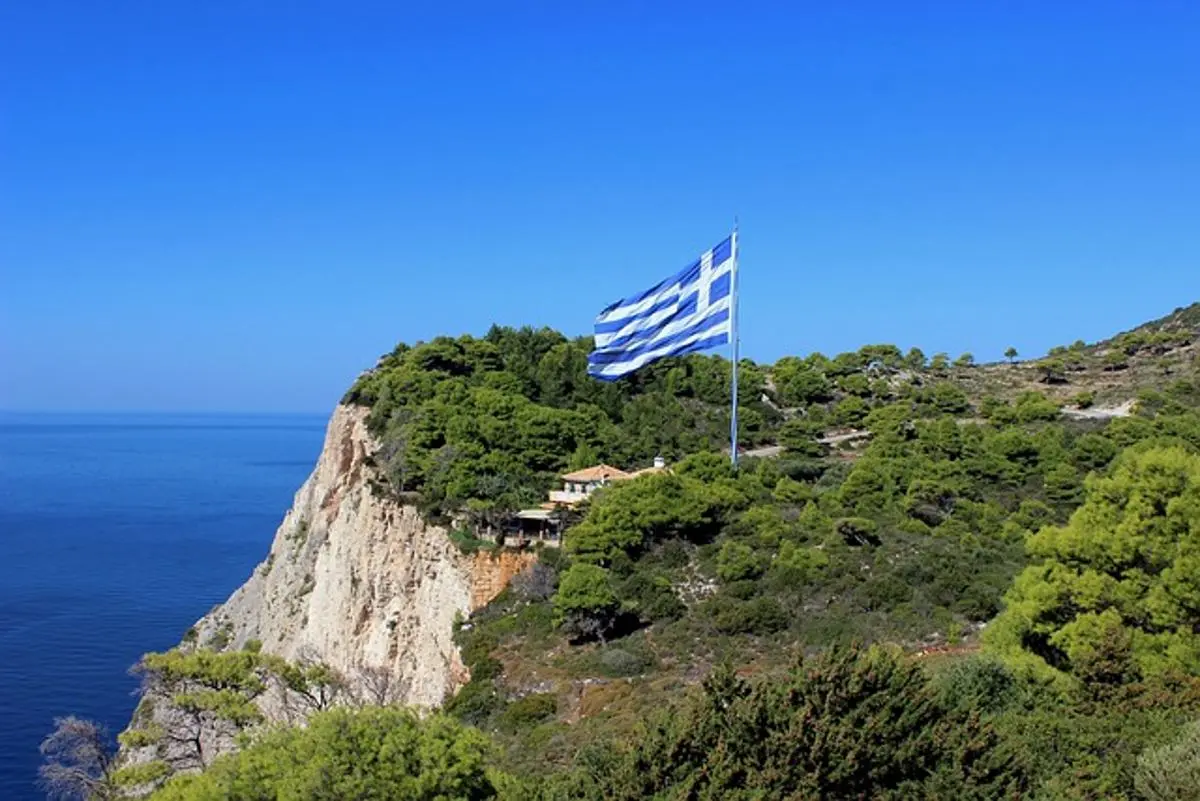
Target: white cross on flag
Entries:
(688, 312)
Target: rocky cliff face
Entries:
(360, 582)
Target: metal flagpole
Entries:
(733, 336)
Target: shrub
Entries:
(475, 703)
(220, 638)
(466, 541)
(529, 711)
(1093, 451)
(1171, 772)
(756, 616)
(618, 662)
(650, 596)
(978, 683)
(1115, 360)
(851, 724)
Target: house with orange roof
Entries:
(546, 522)
(579, 484)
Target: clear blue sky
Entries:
(239, 205)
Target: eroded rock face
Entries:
(491, 573)
(356, 580)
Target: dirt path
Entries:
(1101, 412)
(772, 451)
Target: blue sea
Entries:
(116, 533)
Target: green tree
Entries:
(624, 518)
(949, 398)
(997, 410)
(737, 561)
(885, 355)
(800, 436)
(870, 488)
(803, 386)
(850, 724)
(847, 363)
(965, 360)
(585, 605)
(1011, 354)
(212, 694)
(1052, 370)
(1115, 594)
(562, 375)
(940, 362)
(370, 754)
(1093, 451)
(495, 420)
(584, 456)
(1035, 407)
(1063, 484)
(850, 411)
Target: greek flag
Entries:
(690, 311)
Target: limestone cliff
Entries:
(360, 582)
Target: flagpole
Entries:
(733, 335)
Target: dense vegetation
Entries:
(375, 753)
(1114, 596)
(911, 537)
(490, 422)
(982, 597)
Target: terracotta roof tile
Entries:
(601, 472)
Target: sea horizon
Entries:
(118, 530)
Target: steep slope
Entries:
(358, 581)
(1184, 318)
(908, 530)
(355, 581)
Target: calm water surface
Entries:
(116, 533)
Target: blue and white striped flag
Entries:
(690, 311)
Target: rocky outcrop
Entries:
(354, 580)
(360, 582)
(492, 572)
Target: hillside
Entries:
(914, 540)
(902, 501)
(1150, 356)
